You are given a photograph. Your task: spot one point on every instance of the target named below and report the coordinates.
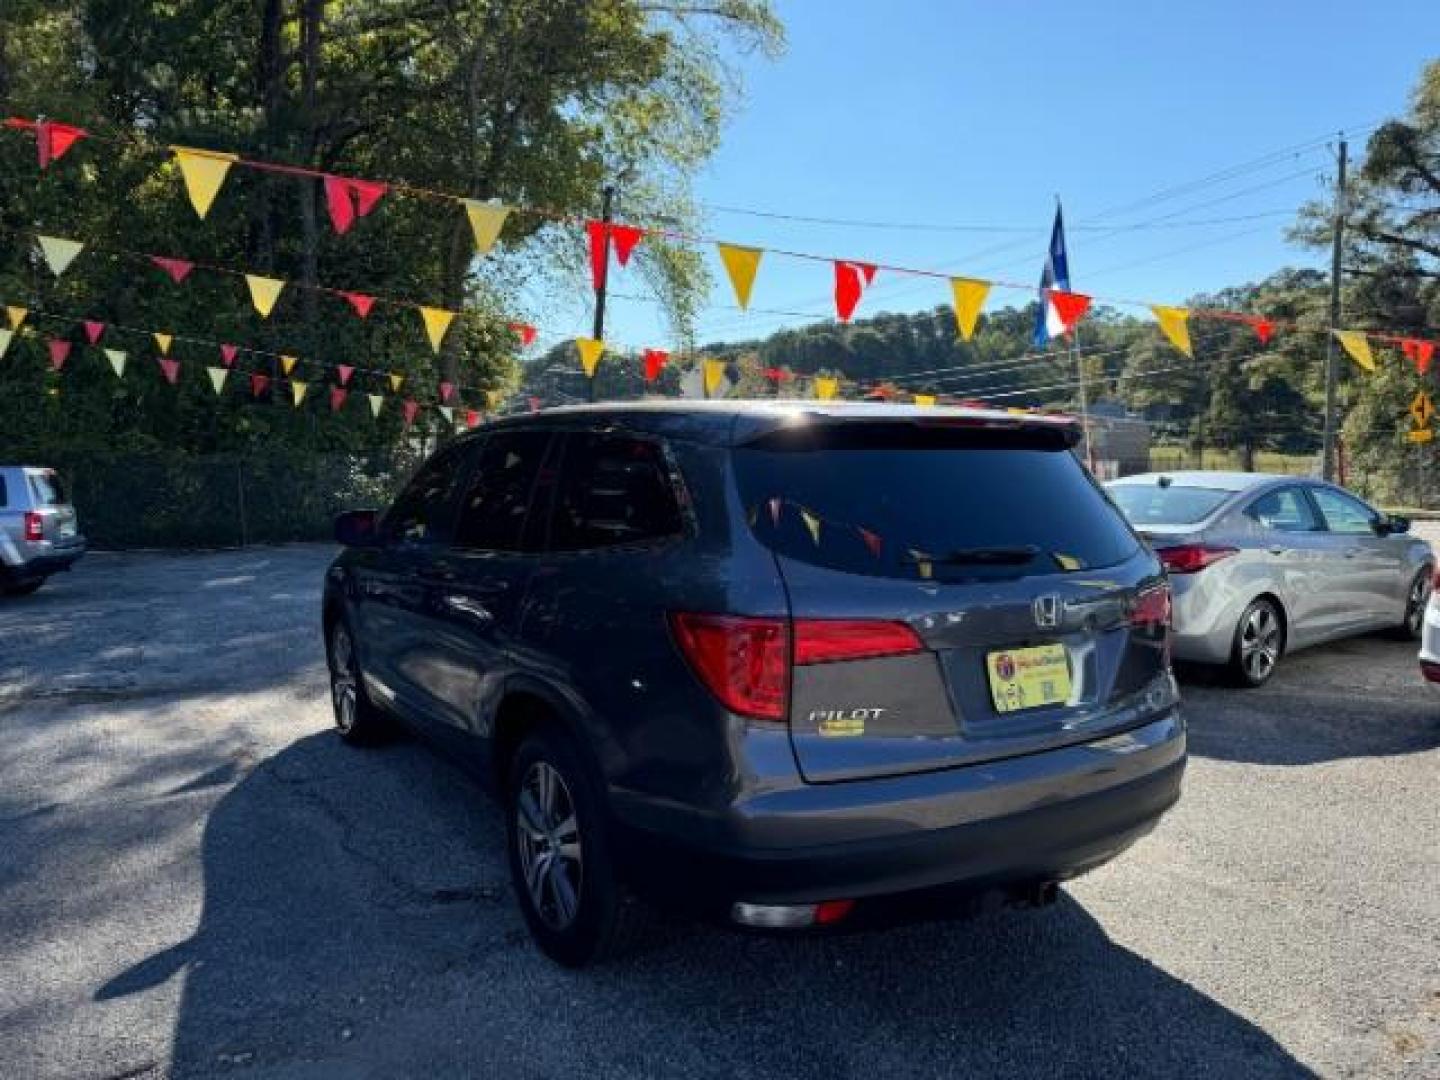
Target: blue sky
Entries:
(976, 115)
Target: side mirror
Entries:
(1392, 524)
(358, 528)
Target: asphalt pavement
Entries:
(197, 878)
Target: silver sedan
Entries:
(1263, 565)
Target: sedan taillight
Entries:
(34, 527)
(1192, 558)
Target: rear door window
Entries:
(1167, 504)
(495, 508)
(614, 490)
(1285, 510)
(922, 501)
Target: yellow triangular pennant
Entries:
(486, 221)
(287, 364)
(117, 362)
(395, 380)
(217, 377)
(925, 400)
(825, 388)
(6, 336)
(16, 316)
(163, 341)
(812, 523)
(741, 263)
(297, 392)
(437, 321)
(590, 350)
(1358, 346)
(493, 398)
(59, 253)
(377, 402)
(1175, 325)
(970, 294)
(714, 376)
(264, 291)
(204, 171)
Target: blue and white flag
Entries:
(1056, 275)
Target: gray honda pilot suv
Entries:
(791, 664)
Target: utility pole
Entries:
(606, 209)
(1331, 352)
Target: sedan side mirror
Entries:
(358, 528)
(1391, 525)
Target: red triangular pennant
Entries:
(596, 231)
(345, 371)
(337, 398)
(52, 140)
(1419, 351)
(171, 368)
(446, 389)
(533, 403)
(655, 363)
(472, 417)
(525, 332)
(93, 331)
(1264, 328)
(851, 278)
(178, 269)
(410, 408)
(227, 355)
(59, 350)
(625, 237)
(360, 302)
(872, 541)
(258, 383)
(1069, 306)
(348, 199)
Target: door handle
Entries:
(1276, 549)
(1351, 553)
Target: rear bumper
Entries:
(1204, 618)
(42, 564)
(1043, 817)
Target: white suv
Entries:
(39, 534)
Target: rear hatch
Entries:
(1035, 617)
(58, 521)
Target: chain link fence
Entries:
(151, 501)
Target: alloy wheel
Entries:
(1260, 642)
(344, 686)
(1415, 604)
(547, 835)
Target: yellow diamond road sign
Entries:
(1422, 409)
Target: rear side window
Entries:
(1168, 504)
(615, 489)
(1344, 514)
(959, 504)
(48, 489)
(422, 512)
(1286, 510)
(496, 504)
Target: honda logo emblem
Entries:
(1047, 611)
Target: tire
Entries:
(357, 719)
(1416, 598)
(578, 910)
(24, 588)
(1258, 645)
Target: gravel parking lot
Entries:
(197, 878)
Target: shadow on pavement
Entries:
(357, 921)
(1314, 709)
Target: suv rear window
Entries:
(1170, 504)
(898, 500)
(48, 489)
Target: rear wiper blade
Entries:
(981, 556)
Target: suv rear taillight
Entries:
(34, 526)
(1192, 558)
(1152, 607)
(745, 661)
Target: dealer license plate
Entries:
(1028, 678)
